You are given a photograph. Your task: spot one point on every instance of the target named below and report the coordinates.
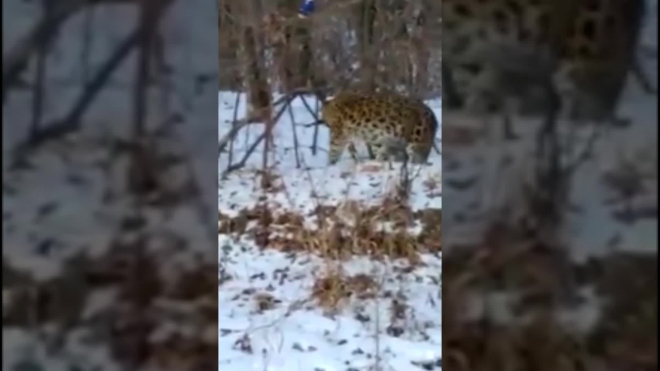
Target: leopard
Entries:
(392, 125)
(527, 57)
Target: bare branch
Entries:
(233, 126)
(71, 122)
(247, 155)
(295, 136)
(16, 59)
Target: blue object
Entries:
(307, 8)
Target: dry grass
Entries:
(265, 301)
(344, 231)
(624, 337)
(341, 231)
(334, 288)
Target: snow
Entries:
(297, 333)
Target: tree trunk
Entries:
(228, 45)
(258, 91)
(302, 53)
(365, 31)
(422, 56)
(291, 42)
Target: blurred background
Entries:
(109, 185)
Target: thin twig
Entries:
(295, 135)
(233, 128)
(39, 86)
(148, 21)
(313, 124)
(316, 129)
(584, 155)
(87, 44)
(249, 152)
(254, 145)
(549, 177)
(309, 109)
(231, 135)
(241, 124)
(316, 118)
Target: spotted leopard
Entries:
(388, 123)
(506, 55)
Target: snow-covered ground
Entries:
(297, 333)
(69, 198)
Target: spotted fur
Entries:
(384, 121)
(496, 52)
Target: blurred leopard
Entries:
(501, 55)
(391, 125)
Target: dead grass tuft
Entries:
(265, 301)
(354, 230)
(342, 231)
(430, 236)
(334, 288)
